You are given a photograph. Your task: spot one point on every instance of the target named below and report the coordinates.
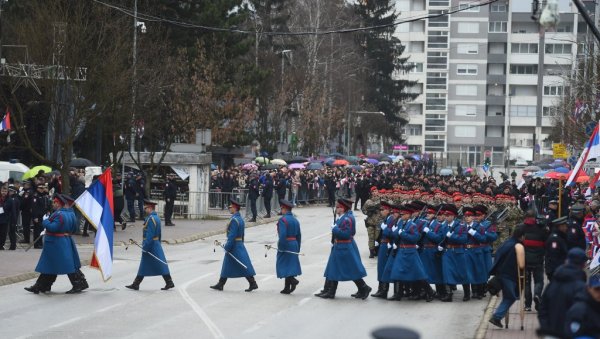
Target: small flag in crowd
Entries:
(5, 124)
(96, 205)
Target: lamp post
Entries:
(348, 124)
(507, 132)
(283, 52)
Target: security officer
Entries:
(556, 247)
(288, 262)
(477, 275)
(140, 193)
(235, 249)
(344, 262)
(575, 234)
(130, 196)
(373, 221)
(77, 278)
(170, 194)
(453, 258)
(583, 318)
(552, 211)
(57, 255)
(40, 206)
(385, 237)
(149, 265)
(253, 193)
(267, 193)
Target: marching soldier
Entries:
(344, 261)
(390, 247)
(57, 255)
(477, 275)
(77, 278)
(490, 237)
(556, 247)
(236, 254)
(385, 238)
(371, 209)
(434, 233)
(153, 261)
(453, 258)
(288, 263)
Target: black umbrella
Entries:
(297, 159)
(81, 162)
(269, 167)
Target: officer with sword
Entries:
(236, 263)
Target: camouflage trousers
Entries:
(373, 233)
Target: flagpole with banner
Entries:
(96, 205)
(591, 151)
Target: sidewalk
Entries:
(489, 331)
(16, 266)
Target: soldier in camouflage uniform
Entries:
(373, 220)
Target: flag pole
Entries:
(560, 188)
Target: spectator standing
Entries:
(130, 196)
(170, 194)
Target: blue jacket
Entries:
(385, 237)
(344, 262)
(57, 255)
(235, 246)
(453, 259)
(476, 267)
(407, 263)
(149, 266)
(432, 262)
(72, 221)
(290, 238)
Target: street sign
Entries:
(559, 151)
(589, 128)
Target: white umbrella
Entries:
(279, 162)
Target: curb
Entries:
(483, 324)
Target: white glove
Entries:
(389, 245)
(332, 226)
(440, 248)
(449, 234)
(394, 228)
(417, 246)
(383, 226)
(45, 217)
(426, 229)
(472, 232)
(395, 247)
(376, 244)
(43, 232)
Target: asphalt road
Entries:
(192, 310)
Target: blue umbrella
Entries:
(373, 161)
(213, 167)
(561, 170)
(315, 166)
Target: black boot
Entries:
(286, 288)
(416, 293)
(447, 295)
(293, 283)
(381, 291)
(330, 293)
(397, 292)
(440, 291)
(219, 286)
(253, 286)
(467, 292)
(35, 288)
(363, 289)
(429, 295)
(136, 283)
(168, 281)
(371, 253)
(477, 291)
(325, 288)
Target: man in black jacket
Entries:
(26, 201)
(267, 193)
(583, 318)
(40, 206)
(575, 234)
(253, 193)
(170, 194)
(536, 234)
(559, 296)
(556, 246)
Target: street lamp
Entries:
(348, 123)
(283, 52)
(507, 132)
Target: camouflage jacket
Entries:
(371, 210)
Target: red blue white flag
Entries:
(591, 151)
(5, 124)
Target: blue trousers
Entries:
(509, 296)
(131, 208)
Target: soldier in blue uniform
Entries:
(392, 237)
(453, 257)
(476, 271)
(150, 266)
(288, 231)
(490, 236)
(382, 254)
(77, 278)
(235, 249)
(344, 262)
(434, 233)
(57, 255)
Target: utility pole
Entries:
(134, 82)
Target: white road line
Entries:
(66, 322)
(216, 332)
(269, 277)
(304, 301)
(320, 236)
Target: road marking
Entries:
(320, 236)
(304, 301)
(269, 277)
(66, 322)
(212, 327)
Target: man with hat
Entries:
(57, 255)
(11, 211)
(77, 278)
(170, 194)
(288, 262)
(583, 318)
(556, 247)
(476, 268)
(385, 238)
(390, 247)
(373, 222)
(40, 207)
(26, 202)
(433, 234)
(552, 211)
(130, 193)
(559, 296)
(453, 258)
(489, 227)
(150, 265)
(575, 233)
(536, 235)
(344, 262)
(235, 249)
(140, 193)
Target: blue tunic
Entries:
(453, 261)
(288, 230)
(149, 266)
(430, 257)
(490, 237)
(476, 269)
(72, 221)
(383, 252)
(235, 246)
(391, 254)
(407, 263)
(344, 262)
(57, 255)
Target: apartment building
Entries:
(483, 91)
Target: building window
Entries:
(416, 46)
(437, 80)
(437, 39)
(435, 101)
(434, 143)
(555, 90)
(468, 27)
(465, 110)
(496, 69)
(467, 90)
(414, 130)
(439, 3)
(524, 48)
(564, 29)
(523, 69)
(494, 131)
(435, 122)
(558, 48)
(495, 111)
(437, 60)
(467, 48)
(497, 27)
(413, 67)
(466, 69)
(440, 21)
(467, 7)
(523, 111)
(417, 26)
(498, 7)
(414, 109)
(549, 111)
(465, 131)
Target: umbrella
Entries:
(446, 171)
(250, 167)
(269, 167)
(315, 166)
(561, 170)
(340, 162)
(383, 163)
(469, 170)
(356, 167)
(213, 167)
(532, 169)
(279, 162)
(298, 159)
(373, 161)
(262, 160)
(336, 155)
(539, 174)
(353, 160)
(81, 162)
(397, 158)
(34, 171)
(297, 165)
(385, 158)
(556, 175)
(582, 178)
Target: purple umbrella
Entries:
(297, 166)
(373, 161)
